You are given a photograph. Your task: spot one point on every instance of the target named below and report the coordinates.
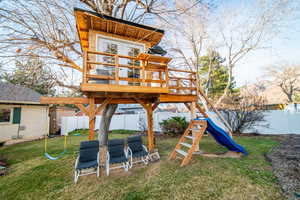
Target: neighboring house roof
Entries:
(271, 92)
(10, 93)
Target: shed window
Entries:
(5, 115)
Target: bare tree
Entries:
(286, 77)
(33, 74)
(245, 28)
(188, 35)
(46, 29)
(244, 112)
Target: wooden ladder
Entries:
(194, 133)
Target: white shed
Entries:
(21, 114)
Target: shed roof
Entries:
(10, 93)
(88, 20)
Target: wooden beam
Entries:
(187, 106)
(193, 116)
(91, 118)
(150, 134)
(201, 110)
(83, 109)
(154, 106)
(144, 104)
(93, 87)
(102, 106)
(64, 100)
(171, 98)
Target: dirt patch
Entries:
(285, 160)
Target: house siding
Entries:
(34, 119)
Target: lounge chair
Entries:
(136, 150)
(116, 154)
(88, 158)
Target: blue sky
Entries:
(284, 48)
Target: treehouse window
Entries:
(119, 47)
(110, 48)
(133, 73)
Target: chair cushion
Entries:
(139, 154)
(89, 144)
(121, 159)
(86, 155)
(116, 148)
(85, 165)
(135, 143)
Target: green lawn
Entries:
(34, 177)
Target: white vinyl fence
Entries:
(280, 122)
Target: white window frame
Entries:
(118, 40)
(120, 52)
(11, 115)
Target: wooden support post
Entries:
(142, 65)
(167, 77)
(150, 129)
(91, 118)
(150, 135)
(193, 116)
(161, 78)
(84, 73)
(178, 85)
(117, 69)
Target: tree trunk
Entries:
(208, 83)
(107, 114)
(290, 98)
(227, 86)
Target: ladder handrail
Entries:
(216, 111)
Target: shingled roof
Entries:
(10, 93)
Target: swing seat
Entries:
(55, 158)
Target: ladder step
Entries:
(195, 130)
(186, 144)
(189, 137)
(182, 152)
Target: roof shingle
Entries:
(16, 93)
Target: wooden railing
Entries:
(144, 70)
(182, 82)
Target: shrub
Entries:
(245, 112)
(174, 125)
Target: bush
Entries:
(245, 112)
(174, 125)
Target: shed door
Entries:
(119, 47)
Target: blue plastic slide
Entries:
(223, 138)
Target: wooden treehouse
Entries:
(118, 70)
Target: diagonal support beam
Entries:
(83, 109)
(103, 105)
(154, 106)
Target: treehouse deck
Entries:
(146, 74)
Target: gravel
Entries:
(285, 160)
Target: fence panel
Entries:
(280, 122)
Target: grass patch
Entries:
(32, 176)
